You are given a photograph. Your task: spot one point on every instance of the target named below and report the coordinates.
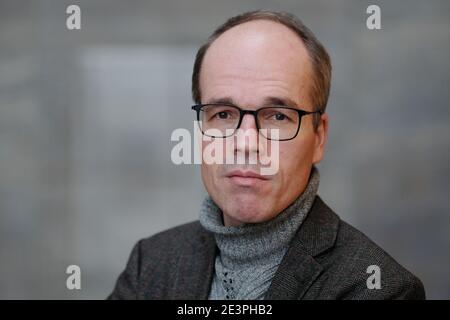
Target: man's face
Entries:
(250, 65)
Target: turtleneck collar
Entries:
(256, 243)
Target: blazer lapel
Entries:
(294, 276)
(298, 269)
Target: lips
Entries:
(246, 174)
(246, 178)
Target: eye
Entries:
(280, 116)
(222, 115)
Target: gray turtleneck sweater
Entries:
(250, 254)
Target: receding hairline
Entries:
(294, 35)
(247, 24)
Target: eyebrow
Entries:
(224, 100)
(267, 102)
(282, 102)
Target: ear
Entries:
(321, 137)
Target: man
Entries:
(263, 236)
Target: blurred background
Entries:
(86, 117)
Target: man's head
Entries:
(251, 61)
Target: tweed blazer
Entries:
(327, 259)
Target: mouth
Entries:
(246, 178)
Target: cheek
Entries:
(208, 171)
(295, 158)
(209, 177)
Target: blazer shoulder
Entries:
(357, 257)
(152, 267)
(354, 244)
(175, 239)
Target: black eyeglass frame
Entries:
(242, 112)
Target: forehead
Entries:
(258, 57)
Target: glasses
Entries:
(223, 120)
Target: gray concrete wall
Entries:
(86, 118)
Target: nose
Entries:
(248, 122)
(246, 146)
